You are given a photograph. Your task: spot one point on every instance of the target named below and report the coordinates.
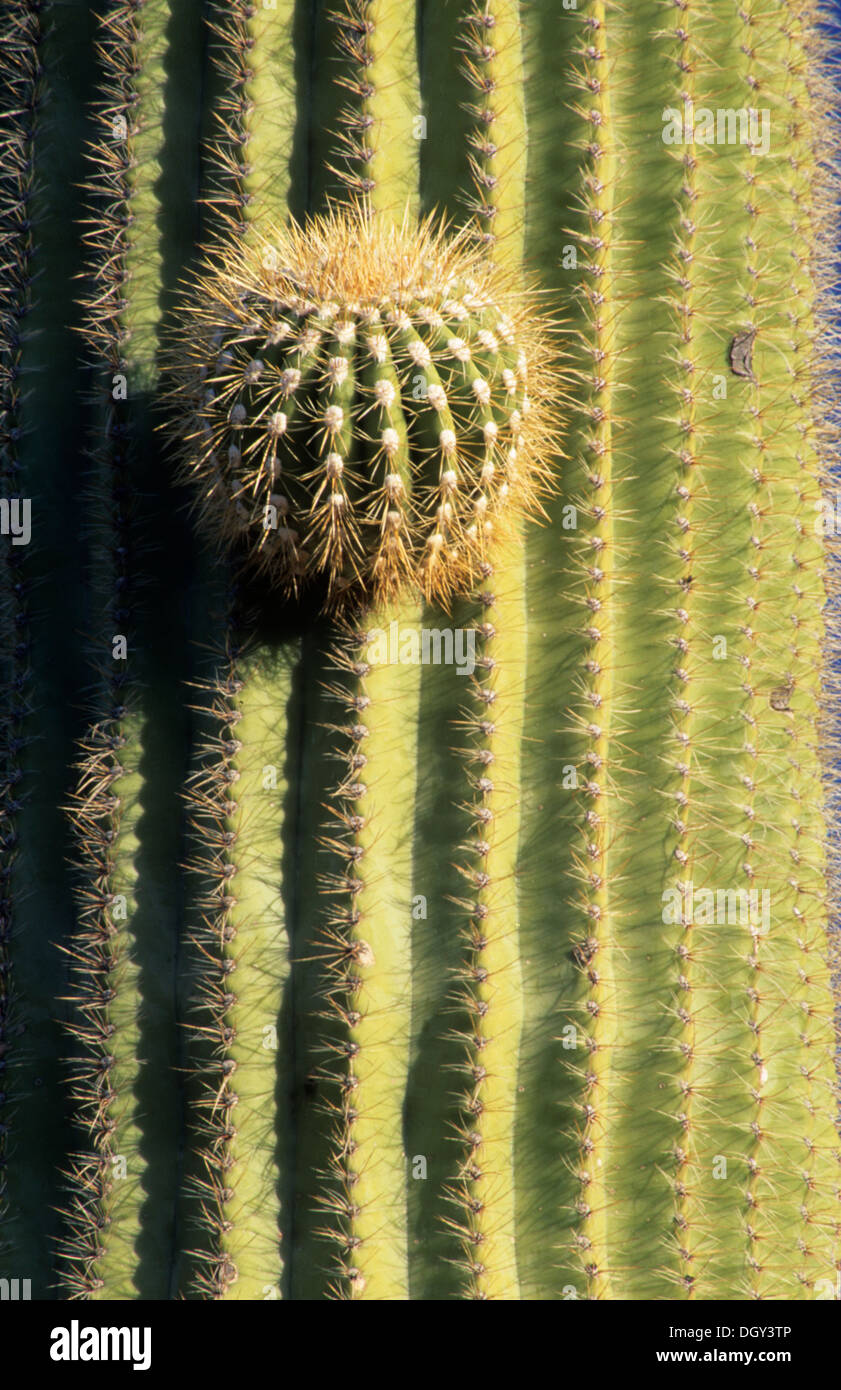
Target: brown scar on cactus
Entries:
(367, 403)
(740, 354)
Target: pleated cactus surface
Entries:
(419, 844)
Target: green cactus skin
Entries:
(672, 1082)
(426, 1017)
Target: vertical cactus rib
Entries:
(484, 1193)
(492, 65)
(547, 1145)
(433, 1104)
(20, 78)
(238, 799)
(367, 942)
(378, 44)
(812, 215)
(703, 1143)
(810, 211)
(105, 1194)
(685, 51)
(491, 978)
(122, 1186)
(240, 794)
(764, 737)
(675, 1153)
(595, 715)
(251, 148)
(368, 947)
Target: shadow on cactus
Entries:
(364, 403)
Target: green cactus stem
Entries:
(504, 966)
(681, 1135)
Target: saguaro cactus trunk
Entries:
(421, 652)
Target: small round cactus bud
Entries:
(383, 379)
